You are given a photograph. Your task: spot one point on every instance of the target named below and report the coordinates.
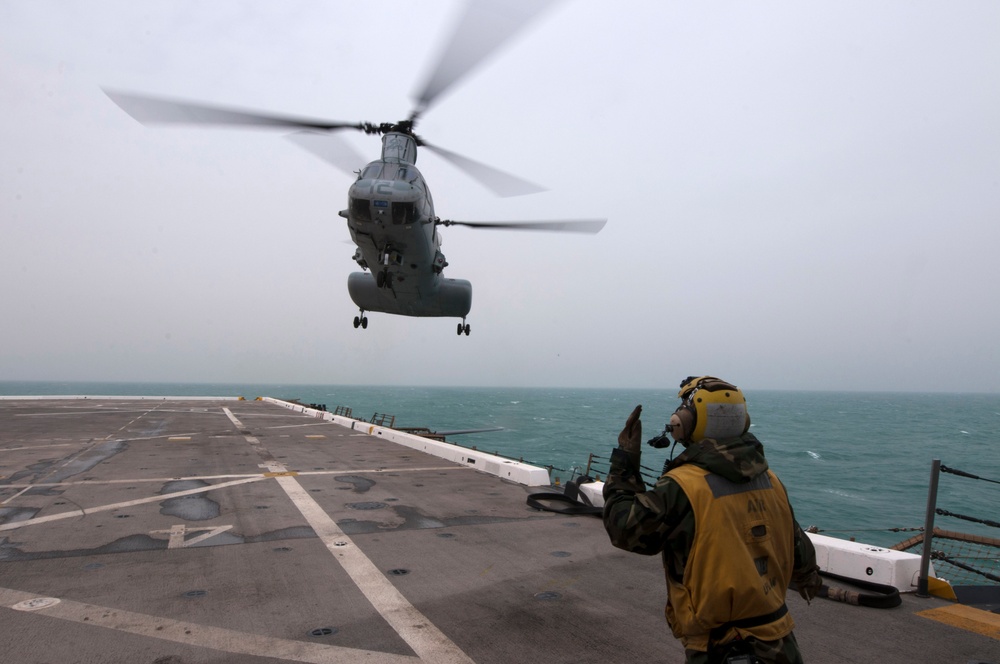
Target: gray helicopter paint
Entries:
(390, 215)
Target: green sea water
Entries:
(855, 464)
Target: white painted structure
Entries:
(868, 563)
(514, 471)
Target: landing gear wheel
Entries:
(467, 329)
(357, 322)
(364, 323)
(380, 279)
(463, 328)
(460, 329)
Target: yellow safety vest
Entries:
(740, 562)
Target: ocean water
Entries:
(855, 464)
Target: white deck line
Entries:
(430, 643)
(192, 634)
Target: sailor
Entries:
(724, 526)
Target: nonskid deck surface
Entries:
(178, 531)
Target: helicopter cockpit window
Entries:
(404, 213)
(372, 171)
(360, 209)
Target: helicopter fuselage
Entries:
(391, 219)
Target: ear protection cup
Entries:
(688, 417)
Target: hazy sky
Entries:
(799, 194)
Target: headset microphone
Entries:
(662, 440)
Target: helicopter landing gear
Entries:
(463, 327)
(361, 321)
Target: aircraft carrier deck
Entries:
(175, 531)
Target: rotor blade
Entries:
(500, 183)
(331, 148)
(590, 226)
(481, 29)
(158, 110)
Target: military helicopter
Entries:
(390, 212)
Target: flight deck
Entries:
(211, 530)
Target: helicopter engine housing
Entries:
(449, 297)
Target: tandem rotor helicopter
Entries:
(390, 212)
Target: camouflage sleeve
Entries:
(805, 554)
(638, 520)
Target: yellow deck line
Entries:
(968, 618)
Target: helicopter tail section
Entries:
(451, 298)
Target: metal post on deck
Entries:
(925, 557)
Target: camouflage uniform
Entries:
(661, 520)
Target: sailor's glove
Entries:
(630, 439)
(809, 584)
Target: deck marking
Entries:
(179, 531)
(15, 495)
(131, 503)
(967, 618)
(135, 419)
(430, 644)
(161, 480)
(191, 634)
(35, 447)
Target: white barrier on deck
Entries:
(515, 471)
(115, 397)
(869, 563)
(852, 560)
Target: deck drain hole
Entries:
(323, 631)
(196, 593)
(122, 516)
(547, 595)
(446, 535)
(94, 566)
(560, 554)
(399, 572)
(262, 507)
(281, 549)
(366, 506)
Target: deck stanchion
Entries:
(925, 557)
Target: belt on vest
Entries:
(745, 623)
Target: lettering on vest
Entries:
(756, 506)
